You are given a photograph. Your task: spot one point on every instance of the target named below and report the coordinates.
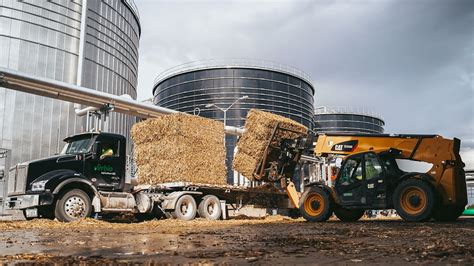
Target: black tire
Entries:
(210, 208)
(186, 208)
(348, 215)
(447, 213)
(315, 205)
(73, 205)
(294, 213)
(414, 200)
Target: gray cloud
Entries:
(410, 61)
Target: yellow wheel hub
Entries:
(314, 204)
(413, 200)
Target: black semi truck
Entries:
(85, 179)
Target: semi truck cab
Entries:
(91, 162)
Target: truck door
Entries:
(375, 180)
(350, 184)
(106, 167)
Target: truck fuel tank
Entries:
(117, 201)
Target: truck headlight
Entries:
(38, 186)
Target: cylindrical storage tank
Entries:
(347, 120)
(272, 87)
(88, 43)
(470, 188)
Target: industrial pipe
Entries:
(15, 80)
(83, 111)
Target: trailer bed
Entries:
(265, 196)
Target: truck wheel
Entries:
(210, 208)
(73, 205)
(348, 215)
(447, 213)
(185, 208)
(315, 205)
(414, 200)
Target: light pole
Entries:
(226, 109)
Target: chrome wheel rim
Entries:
(75, 207)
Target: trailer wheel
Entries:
(315, 205)
(185, 208)
(414, 200)
(73, 205)
(348, 215)
(210, 208)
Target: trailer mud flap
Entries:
(96, 204)
(224, 209)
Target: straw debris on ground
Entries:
(259, 127)
(180, 148)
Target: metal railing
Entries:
(232, 63)
(321, 110)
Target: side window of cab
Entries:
(351, 171)
(108, 149)
(373, 168)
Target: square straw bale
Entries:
(180, 148)
(259, 127)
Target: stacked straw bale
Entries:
(180, 148)
(259, 127)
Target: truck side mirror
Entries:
(96, 149)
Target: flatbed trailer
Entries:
(265, 196)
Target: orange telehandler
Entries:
(370, 177)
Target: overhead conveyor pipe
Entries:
(18, 81)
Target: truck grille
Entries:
(17, 180)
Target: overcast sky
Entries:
(412, 61)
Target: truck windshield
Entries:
(77, 146)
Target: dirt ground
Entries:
(273, 240)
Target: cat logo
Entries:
(346, 146)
